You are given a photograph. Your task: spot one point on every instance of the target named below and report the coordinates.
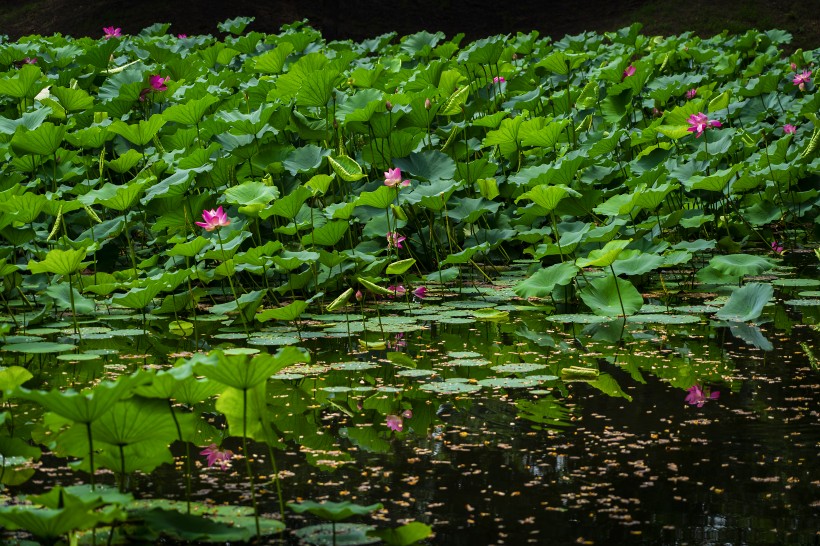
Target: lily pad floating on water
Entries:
(346, 534)
(463, 354)
(78, 357)
(796, 282)
(466, 362)
(287, 376)
(705, 309)
(353, 366)
(241, 351)
(652, 318)
(39, 347)
(523, 367)
(456, 320)
(273, 341)
(415, 373)
(509, 382)
(803, 302)
(578, 318)
(469, 304)
(335, 389)
(451, 387)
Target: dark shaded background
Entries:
(360, 19)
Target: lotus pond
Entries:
(270, 288)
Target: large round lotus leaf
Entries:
(463, 354)
(102, 352)
(451, 387)
(354, 366)
(736, 265)
(394, 320)
(518, 368)
(663, 319)
(363, 388)
(415, 373)
(40, 347)
(648, 308)
(347, 534)
(509, 382)
(578, 318)
(335, 317)
(796, 282)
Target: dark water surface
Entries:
(566, 462)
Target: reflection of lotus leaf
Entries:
(518, 368)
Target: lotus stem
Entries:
(248, 458)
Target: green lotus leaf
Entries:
(346, 168)
(400, 267)
(548, 197)
(289, 312)
(606, 298)
(191, 112)
(139, 133)
(44, 140)
(381, 198)
(59, 262)
(428, 165)
(334, 511)
(746, 303)
(604, 256)
(738, 265)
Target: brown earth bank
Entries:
(361, 19)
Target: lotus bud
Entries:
(388, 105)
(427, 104)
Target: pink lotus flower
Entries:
(158, 82)
(407, 414)
(692, 93)
(395, 423)
(217, 456)
(394, 240)
(397, 290)
(630, 70)
(392, 178)
(30, 60)
(499, 79)
(182, 36)
(214, 219)
(144, 93)
(420, 292)
(698, 123)
(112, 32)
(698, 397)
(800, 80)
(358, 295)
(427, 104)
(789, 129)
(777, 248)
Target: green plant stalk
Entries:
(248, 459)
(618, 290)
(233, 290)
(73, 309)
